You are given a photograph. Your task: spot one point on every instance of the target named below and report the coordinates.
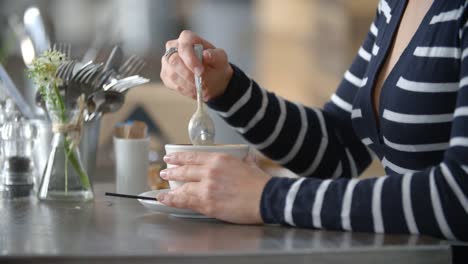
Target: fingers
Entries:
(187, 173)
(179, 67)
(183, 64)
(185, 48)
(177, 76)
(180, 200)
(215, 57)
(182, 197)
(175, 65)
(176, 82)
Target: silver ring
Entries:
(169, 53)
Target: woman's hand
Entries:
(177, 71)
(216, 185)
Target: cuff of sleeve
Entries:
(273, 200)
(237, 86)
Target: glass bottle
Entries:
(2, 121)
(64, 177)
(18, 135)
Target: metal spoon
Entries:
(103, 102)
(201, 127)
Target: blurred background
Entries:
(297, 48)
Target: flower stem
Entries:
(70, 154)
(66, 173)
(76, 164)
(61, 104)
(66, 169)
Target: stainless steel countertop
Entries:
(116, 230)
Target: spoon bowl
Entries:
(103, 102)
(201, 128)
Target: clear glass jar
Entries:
(64, 177)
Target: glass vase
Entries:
(64, 177)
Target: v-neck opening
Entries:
(376, 125)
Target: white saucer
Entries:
(159, 207)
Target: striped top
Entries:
(421, 139)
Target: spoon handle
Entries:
(198, 48)
(198, 85)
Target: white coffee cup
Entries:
(131, 165)
(236, 150)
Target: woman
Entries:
(404, 98)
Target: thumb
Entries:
(215, 58)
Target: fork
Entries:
(65, 71)
(87, 79)
(64, 48)
(81, 75)
(102, 77)
(81, 82)
(124, 84)
(131, 66)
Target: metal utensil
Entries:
(102, 78)
(131, 196)
(111, 67)
(103, 102)
(86, 76)
(64, 48)
(111, 103)
(123, 87)
(201, 127)
(124, 84)
(65, 71)
(34, 25)
(132, 66)
(80, 83)
(115, 59)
